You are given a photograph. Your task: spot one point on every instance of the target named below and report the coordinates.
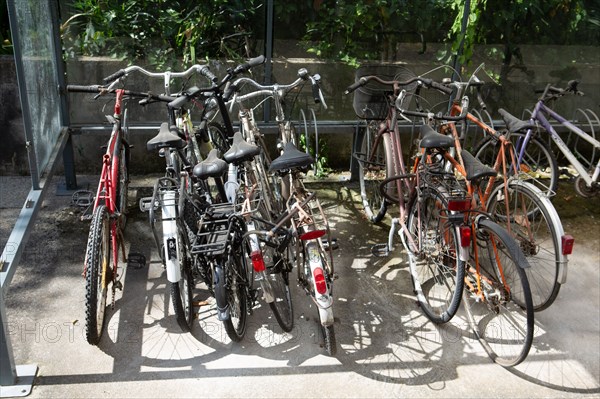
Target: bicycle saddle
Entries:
(240, 150)
(166, 138)
(432, 139)
(514, 124)
(291, 158)
(474, 168)
(212, 166)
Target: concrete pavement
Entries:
(386, 347)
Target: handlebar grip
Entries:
(178, 102)
(114, 76)
(441, 87)
(84, 89)
(480, 100)
(206, 72)
(355, 85)
(256, 61)
(250, 64)
(315, 92)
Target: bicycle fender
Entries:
(170, 241)
(220, 294)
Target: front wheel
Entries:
(497, 297)
(182, 294)
(436, 270)
(374, 163)
(98, 274)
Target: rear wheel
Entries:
(97, 274)
(280, 285)
(329, 340)
(501, 311)
(538, 161)
(436, 270)
(374, 163)
(528, 219)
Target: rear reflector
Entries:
(320, 280)
(257, 261)
(311, 235)
(465, 236)
(459, 205)
(567, 244)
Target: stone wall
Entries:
(554, 64)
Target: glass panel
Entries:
(40, 75)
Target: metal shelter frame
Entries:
(43, 147)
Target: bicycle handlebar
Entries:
(103, 90)
(202, 70)
(422, 81)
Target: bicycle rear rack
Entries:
(213, 237)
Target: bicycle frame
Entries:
(542, 113)
(109, 179)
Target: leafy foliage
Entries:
(158, 30)
(350, 31)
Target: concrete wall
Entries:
(544, 64)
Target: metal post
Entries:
(268, 55)
(33, 169)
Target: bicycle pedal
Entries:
(82, 198)
(146, 204)
(380, 250)
(136, 260)
(330, 246)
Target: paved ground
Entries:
(386, 347)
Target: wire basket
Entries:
(372, 101)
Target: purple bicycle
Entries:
(534, 155)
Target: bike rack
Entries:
(307, 134)
(573, 140)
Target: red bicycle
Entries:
(105, 239)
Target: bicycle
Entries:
(444, 231)
(309, 225)
(532, 150)
(516, 203)
(105, 240)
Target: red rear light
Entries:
(567, 244)
(257, 261)
(320, 281)
(311, 235)
(465, 236)
(459, 205)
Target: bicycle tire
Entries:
(235, 285)
(538, 160)
(503, 319)
(537, 233)
(282, 306)
(437, 281)
(329, 341)
(98, 253)
(182, 292)
(123, 186)
(380, 163)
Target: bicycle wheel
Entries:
(97, 274)
(329, 339)
(501, 310)
(534, 224)
(437, 272)
(538, 161)
(236, 286)
(280, 284)
(181, 292)
(374, 163)
(122, 186)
